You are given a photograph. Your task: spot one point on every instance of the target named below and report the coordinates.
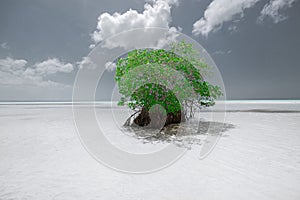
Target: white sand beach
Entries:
(258, 157)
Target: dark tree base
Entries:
(157, 119)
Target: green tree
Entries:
(166, 80)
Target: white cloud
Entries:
(86, 63)
(218, 12)
(92, 46)
(169, 37)
(17, 72)
(4, 45)
(11, 65)
(273, 8)
(52, 66)
(110, 66)
(157, 13)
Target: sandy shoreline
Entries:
(41, 157)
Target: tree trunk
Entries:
(143, 119)
(157, 119)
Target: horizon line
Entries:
(114, 102)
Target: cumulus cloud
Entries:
(218, 12)
(157, 13)
(14, 66)
(86, 63)
(169, 37)
(52, 66)
(18, 72)
(273, 8)
(110, 66)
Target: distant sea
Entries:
(257, 106)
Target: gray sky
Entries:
(255, 43)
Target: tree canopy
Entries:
(180, 66)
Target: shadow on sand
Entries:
(182, 135)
